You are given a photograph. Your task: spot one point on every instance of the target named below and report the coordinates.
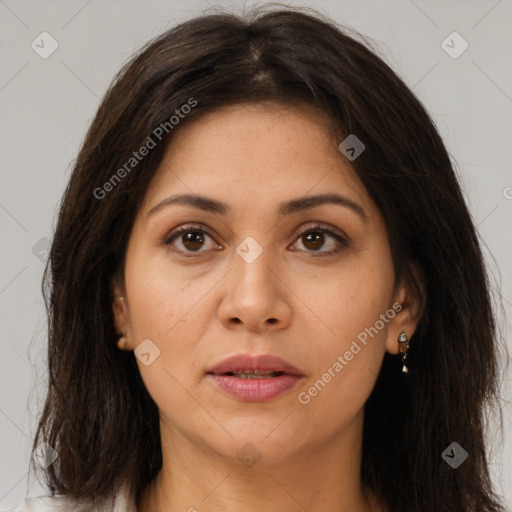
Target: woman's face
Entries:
(258, 276)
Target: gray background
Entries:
(46, 106)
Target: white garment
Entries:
(124, 502)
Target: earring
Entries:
(121, 342)
(403, 345)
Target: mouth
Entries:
(254, 378)
(253, 374)
(259, 366)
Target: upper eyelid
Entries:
(320, 225)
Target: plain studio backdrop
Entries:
(49, 93)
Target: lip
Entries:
(256, 389)
(241, 362)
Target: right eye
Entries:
(191, 238)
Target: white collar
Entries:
(125, 501)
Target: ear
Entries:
(121, 315)
(411, 298)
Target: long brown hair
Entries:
(98, 414)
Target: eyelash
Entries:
(317, 228)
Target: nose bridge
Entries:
(254, 297)
(253, 266)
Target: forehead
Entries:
(256, 154)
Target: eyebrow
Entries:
(287, 208)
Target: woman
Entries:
(265, 290)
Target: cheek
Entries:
(161, 297)
(168, 308)
(352, 314)
(356, 334)
(348, 300)
(344, 366)
(164, 309)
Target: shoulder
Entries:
(55, 504)
(44, 504)
(123, 502)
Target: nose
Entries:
(255, 296)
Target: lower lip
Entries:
(255, 390)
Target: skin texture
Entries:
(200, 310)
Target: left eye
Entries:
(193, 238)
(314, 238)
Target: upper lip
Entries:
(241, 362)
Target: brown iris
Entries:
(193, 240)
(315, 239)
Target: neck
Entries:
(316, 478)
